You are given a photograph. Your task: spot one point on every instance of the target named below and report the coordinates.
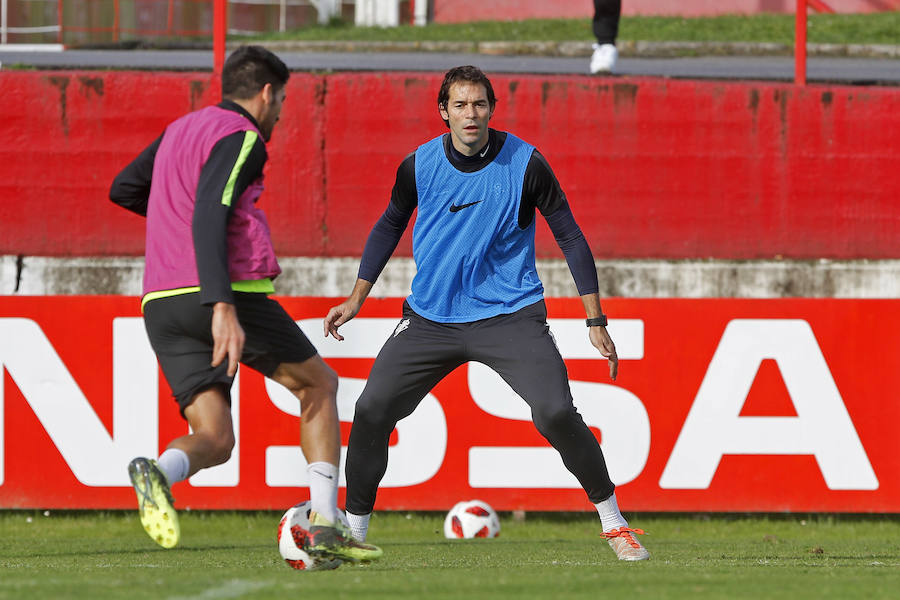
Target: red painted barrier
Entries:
(652, 168)
(720, 405)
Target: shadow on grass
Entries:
(133, 551)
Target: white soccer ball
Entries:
(292, 532)
(472, 519)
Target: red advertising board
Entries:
(721, 405)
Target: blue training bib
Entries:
(473, 261)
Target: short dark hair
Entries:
(249, 69)
(465, 73)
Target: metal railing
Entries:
(325, 9)
(94, 21)
(6, 29)
(800, 36)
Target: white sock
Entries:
(610, 516)
(174, 464)
(323, 489)
(359, 525)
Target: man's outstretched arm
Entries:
(542, 191)
(382, 241)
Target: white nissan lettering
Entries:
(821, 428)
(96, 457)
(713, 428)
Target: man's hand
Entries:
(337, 316)
(228, 337)
(343, 312)
(601, 341)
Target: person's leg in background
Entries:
(606, 29)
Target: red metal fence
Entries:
(800, 36)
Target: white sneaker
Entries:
(604, 58)
(624, 544)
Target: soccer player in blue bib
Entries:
(476, 296)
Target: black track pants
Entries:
(606, 20)
(420, 353)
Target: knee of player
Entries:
(222, 447)
(553, 418)
(329, 381)
(369, 413)
(324, 381)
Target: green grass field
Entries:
(234, 555)
(875, 28)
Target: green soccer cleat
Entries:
(155, 501)
(334, 540)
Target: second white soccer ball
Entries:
(472, 519)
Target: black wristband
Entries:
(596, 321)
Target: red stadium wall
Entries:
(725, 404)
(653, 168)
(463, 11)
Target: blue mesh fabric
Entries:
(473, 262)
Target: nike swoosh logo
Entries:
(322, 474)
(459, 207)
